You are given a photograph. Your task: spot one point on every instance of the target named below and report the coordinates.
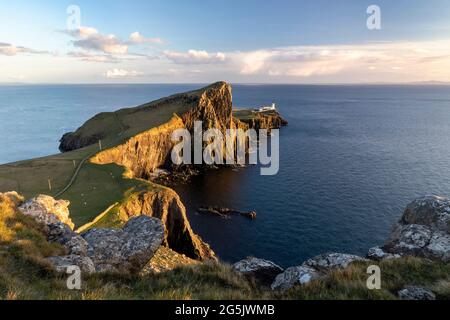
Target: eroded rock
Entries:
(263, 270)
(62, 263)
(329, 261)
(294, 276)
(416, 293)
(128, 249)
(47, 210)
(377, 253)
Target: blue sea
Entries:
(351, 159)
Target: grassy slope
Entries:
(96, 187)
(24, 274)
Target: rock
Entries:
(423, 230)
(77, 246)
(165, 259)
(294, 276)
(59, 232)
(378, 254)
(128, 249)
(431, 211)
(329, 261)
(439, 246)
(409, 239)
(47, 210)
(61, 263)
(14, 197)
(416, 293)
(263, 270)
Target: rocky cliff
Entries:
(166, 205)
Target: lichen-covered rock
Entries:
(294, 276)
(47, 210)
(61, 263)
(431, 211)
(263, 270)
(378, 254)
(165, 259)
(128, 249)
(423, 230)
(329, 261)
(416, 293)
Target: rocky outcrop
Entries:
(165, 204)
(264, 271)
(265, 120)
(125, 250)
(330, 261)
(62, 263)
(165, 259)
(378, 254)
(47, 210)
(416, 293)
(423, 230)
(314, 268)
(295, 276)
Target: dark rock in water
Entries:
(226, 212)
(423, 230)
(128, 249)
(416, 293)
(264, 271)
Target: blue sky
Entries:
(239, 41)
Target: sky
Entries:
(245, 41)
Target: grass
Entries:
(96, 187)
(24, 274)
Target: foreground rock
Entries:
(62, 263)
(416, 293)
(128, 249)
(47, 210)
(165, 259)
(378, 254)
(329, 261)
(314, 268)
(423, 230)
(294, 276)
(264, 271)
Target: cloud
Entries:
(311, 61)
(12, 50)
(122, 74)
(92, 57)
(137, 38)
(195, 57)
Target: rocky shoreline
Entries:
(423, 231)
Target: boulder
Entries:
(61, 263)
(378, 254)
(431, 211)
(47, 210)
(294, 276)
(330, 261)
(264, 271)
(423, 230)
(128, 249)
(416, 293)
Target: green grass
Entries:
(96, 187)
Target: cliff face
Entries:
(166, 205)
(143, 153)
(265, 120)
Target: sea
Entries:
(351, 159)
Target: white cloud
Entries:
(122, 73)
(93, 57)
(195, 57)
(137, 38)
(12, 50)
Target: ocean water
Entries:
(351, 159)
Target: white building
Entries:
(268, 108)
